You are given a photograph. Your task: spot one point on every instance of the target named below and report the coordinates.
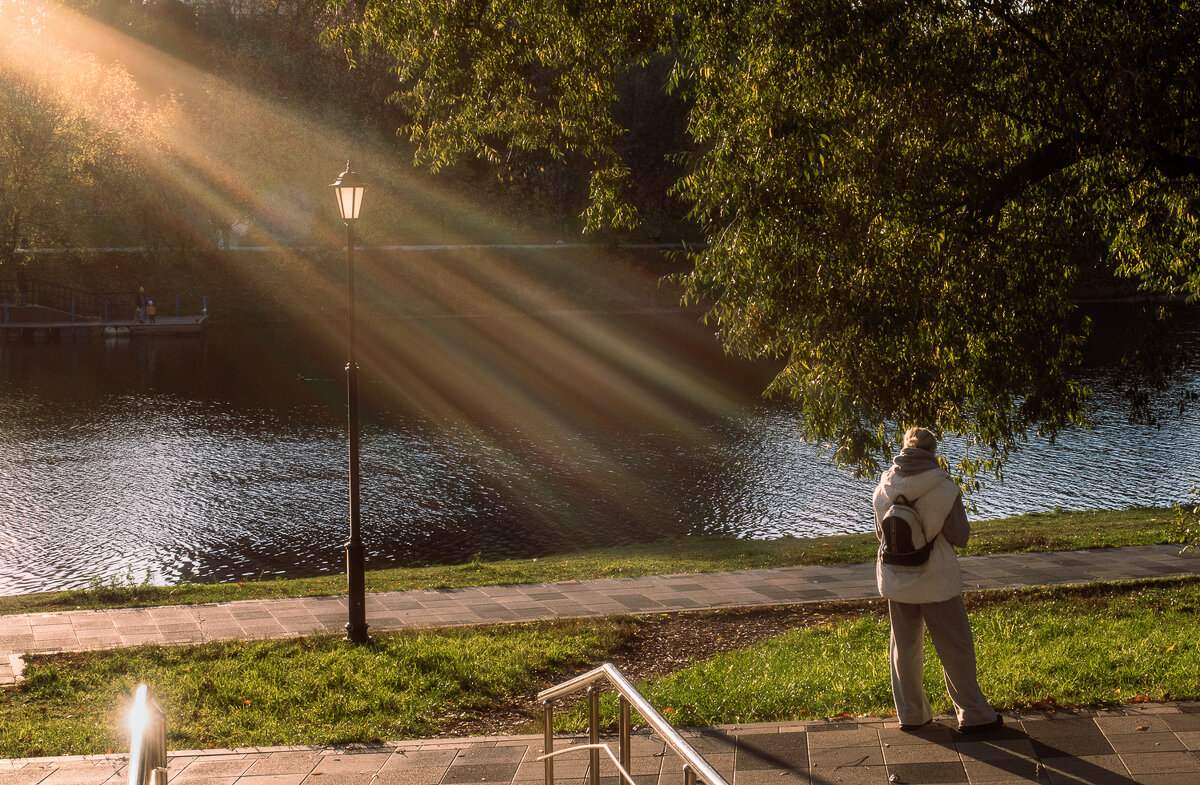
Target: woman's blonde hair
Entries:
(921, 438)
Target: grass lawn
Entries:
(314, 690)
(1088, 645)
(1042, 648)
(1048, 531)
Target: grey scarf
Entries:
(914, 460)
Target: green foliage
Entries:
(119, 589)
(899, 198)
(163, 125)
(69, 128)
(1185, 526)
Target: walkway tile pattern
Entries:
(255, 619)
(1143, 745)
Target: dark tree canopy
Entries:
(899, 199)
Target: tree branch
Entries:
(1173, 165)
(1004, 15)
(1043, 162)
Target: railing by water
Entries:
(695, 768)
(34, 301)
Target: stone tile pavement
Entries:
(1154, 744)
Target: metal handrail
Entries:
(148, 750)
(80, 304)
(695, 768)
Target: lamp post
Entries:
(348, 189)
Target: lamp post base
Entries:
(358, 635)
(356, 627)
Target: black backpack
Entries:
(901, 526)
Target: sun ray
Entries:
(552, 357)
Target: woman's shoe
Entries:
(912, 726)
(983, 728)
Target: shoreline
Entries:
(1028, 533)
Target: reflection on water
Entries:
(224, 456)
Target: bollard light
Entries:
(148, 748)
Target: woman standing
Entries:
(929, 593)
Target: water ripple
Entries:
(158, 482)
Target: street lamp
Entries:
(348, 189)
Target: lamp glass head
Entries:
(348, 189)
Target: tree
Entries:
(73, 135)
(899, 198)
(904, 198)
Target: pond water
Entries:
(223, 456)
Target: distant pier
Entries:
(161, 326)
(32, 309)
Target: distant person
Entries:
(140, 313)
(151, 311)
(928, 593)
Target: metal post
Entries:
(625, 752)
(356, 627)
(548, 719)
(593, 694)
(689, 775)
(205, 299)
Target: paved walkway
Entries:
(249, 619)
(1152, 744)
